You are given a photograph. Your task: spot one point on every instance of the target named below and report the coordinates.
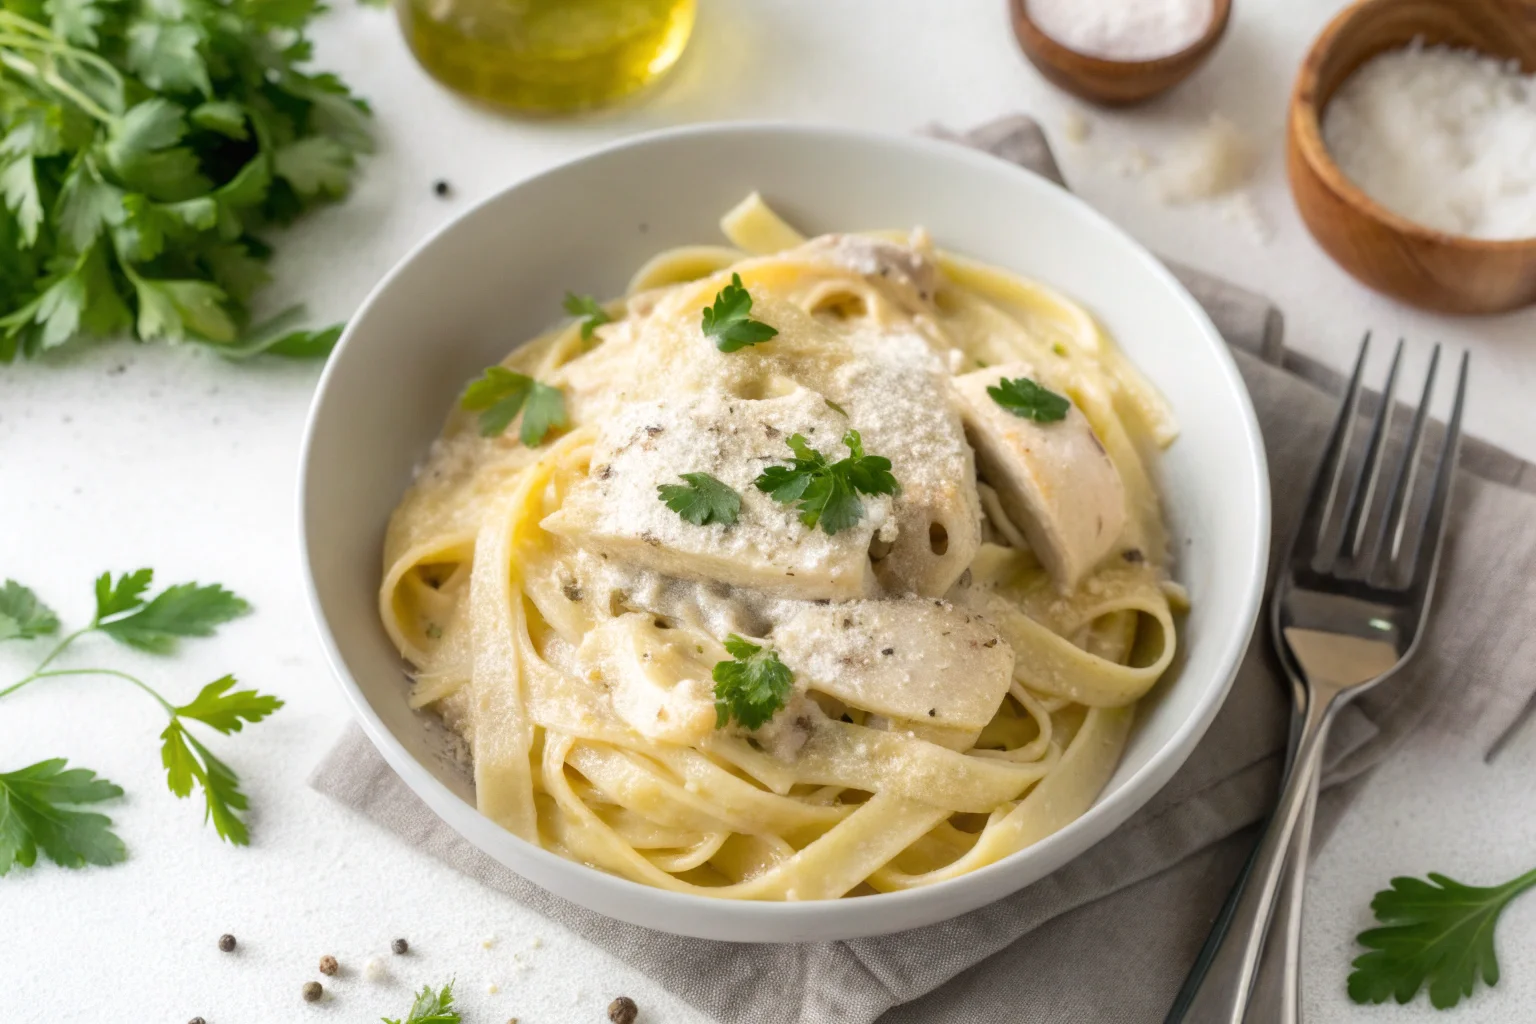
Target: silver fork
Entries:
(1348, 610)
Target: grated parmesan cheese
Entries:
(1443, 137)
(1216, 161)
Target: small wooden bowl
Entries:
(1113, 83)
(1419, 265)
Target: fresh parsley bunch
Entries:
(146, 147)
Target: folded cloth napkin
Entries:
(1110, 935)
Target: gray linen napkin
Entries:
(1109, 936)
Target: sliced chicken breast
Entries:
(1055, 480)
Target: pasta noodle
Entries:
(965, 658)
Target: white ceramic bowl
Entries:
(495, 276)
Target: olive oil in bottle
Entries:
(546, 56)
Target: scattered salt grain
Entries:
(1443, 137)
(1123, 29)
(488, 942)
(492, 988)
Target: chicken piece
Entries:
(658, 678)
(900, 397)
(910, 659)
(616, 512)
(1055, 480)
(906, 274)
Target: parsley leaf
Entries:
(828, 492)
(499, 394)
(185, 759)
(592, 315)
(728, 322)
(186, 609)
(1028, 400)
(214, 705)
(1437, 934)
(703, 500)
(22, 615)
(35, 814)
(125, 594)
(752, 687)
(430, 1008)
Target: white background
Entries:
(126, 456)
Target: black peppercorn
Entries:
(623, 1010)
(441, 188)
(312, 991)
(227, 943)
(197, 1020)
(400, 946)
(329, 966)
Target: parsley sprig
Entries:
(146, 149)
(1436, 933)
(36, 812)
(1029, 400)
(752, 687)
(828, 492)
(588, 310)
(702, 500)
(430, 1008)
(156, 625)
(499, 394)
(729, 320)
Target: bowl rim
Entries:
(1132, 793)
(1306, 131)
(1054, 50)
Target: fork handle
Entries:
(1276, 995)
(1218, 988)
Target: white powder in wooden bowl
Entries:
(1123, 29)
(1443, 137)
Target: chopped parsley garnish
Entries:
(36, 814)
(1028, 400)
(728, 320)
(752, 687)
(828, 492)
(499, 394)
(586, 307)
(1438, 934)
(702, 500)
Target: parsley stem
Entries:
(54, 81)
(58, 672)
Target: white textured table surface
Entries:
(132, 456)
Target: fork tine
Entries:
(1318, 512)
(1427, 561)
(1404, 477)
(1357, 512)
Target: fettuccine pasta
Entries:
(760, 703)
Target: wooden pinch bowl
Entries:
(1113, 83)
(1421, 266)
